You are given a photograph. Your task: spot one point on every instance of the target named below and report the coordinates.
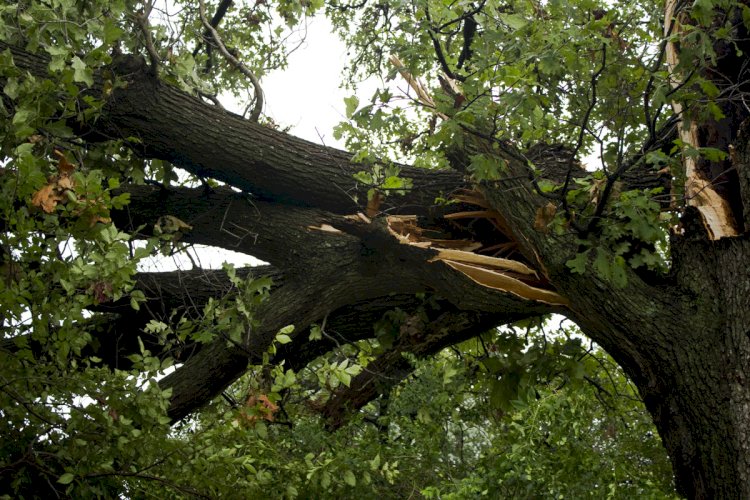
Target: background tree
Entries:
(116, 147)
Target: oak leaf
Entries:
(64, 167)
(373, 204)
(47, 198)
(544, 216)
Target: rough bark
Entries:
(683, 341)
(322, 272)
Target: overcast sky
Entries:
(306, 95)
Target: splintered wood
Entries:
(715, 211)
(484, 260)
(326, 228)
(492, 272)
(501, 281)
(475, 198)
(498, 273)
(405, 229)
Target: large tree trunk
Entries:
(701, 399)
(692, 360)
(684, 340)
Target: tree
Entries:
(491, 221)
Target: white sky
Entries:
(306, 95)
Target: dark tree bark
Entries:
(684, 339)
(323, 272)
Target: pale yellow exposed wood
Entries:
(414, 83)
(714, 209)
(399, 236)
(358, 217)
(471, 214)
(406, 230)
(499, 281)
(402, 218)
(326, 228)
(363, 218)
(484, 260)
(472, 199)
(465, 245)
(480, 268)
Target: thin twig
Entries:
(579, 143)
(234, 62)
(221, 11)
(211, 98)
(141, 19)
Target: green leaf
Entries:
(81, 72)
(59, 129)
(344, 378)
(485, 168)
(393, 182)
(351, 103)
(547, 186)
(287, 329)
(22, 116)
(66, 478)
(262, 430)
(325, 480)
(57, 64)
(350, 479)
(713, 154)
(513, 20)
(715, 110)
(316, 333)
(578, 263)
(448, 374)
(283, 338)
(602, 264)
(504, 390)
(703, 11)
(709, 88)
(112, 32)
(619, 274)
(11, 88)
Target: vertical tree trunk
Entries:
(701, 399)
(701, 408)
(685, 342)
(687, 349)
